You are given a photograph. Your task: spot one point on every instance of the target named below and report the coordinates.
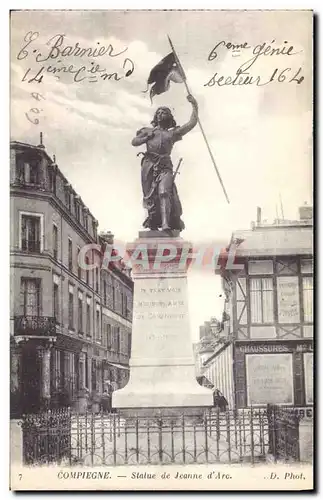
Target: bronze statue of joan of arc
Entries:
(160, 195)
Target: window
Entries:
(307, 266)
(94, 227)
(70, 254)
(76, 371)
(87, 272)
(129, 345)
(30, 289)
(52, 178)
(77, 209)
(31, 233)
(98, 333)
(55, 241)
(71, 310)
(124, 340)
(113, 295)
(87, 373)
(68, 199)
(308, 299)
(85, 221)
(80, 314)
(117, 339)
(109, 339)
(125, 306)
(29, 171)
(88, 319)
(94, 375)
(308, 375)
(288, 299)
(104, 291)
(56, 301)
(269, 379)
(97, 280)
(79, 269)
(261, 299)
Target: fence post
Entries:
(227, 417)
(252, 443)
(160, 439)
(206, 440)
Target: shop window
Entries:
(308, 375)
(269, 379)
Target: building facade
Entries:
(67, 337)
(268, 356)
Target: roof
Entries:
(23, 145)
(275, 240)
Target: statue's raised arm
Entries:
(187, 127)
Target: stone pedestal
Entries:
(162, 370)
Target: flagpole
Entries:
(198, 120)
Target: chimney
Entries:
(258, 215)
(41, 145)
(305, 212)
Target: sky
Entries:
(260, 135)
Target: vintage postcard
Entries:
(161, 250)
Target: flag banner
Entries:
(162, 74)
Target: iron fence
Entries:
(284, 432)
(46, 436)
(68, 438)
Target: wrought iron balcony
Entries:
(35, 184)
(32, 246)
(44, 326)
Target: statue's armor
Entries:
(160, 195)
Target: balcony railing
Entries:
(33, 184)
(30, 246)
(35, 325)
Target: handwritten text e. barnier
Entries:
(54, 60)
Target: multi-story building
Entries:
(267, 356)
(69, 333)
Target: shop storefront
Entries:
(273, 372)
